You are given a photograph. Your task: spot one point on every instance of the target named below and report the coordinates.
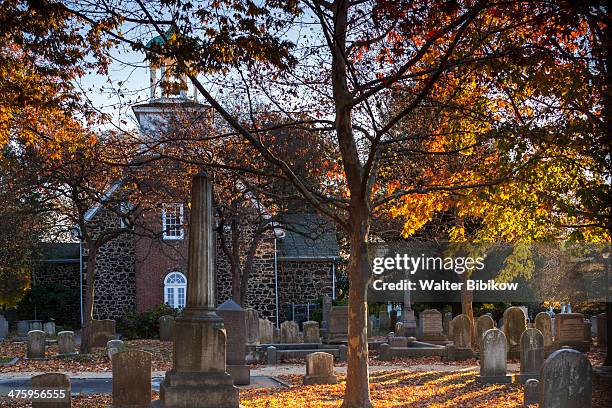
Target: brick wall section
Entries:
(66, 275)
(155, 259)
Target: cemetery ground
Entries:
(400, 382)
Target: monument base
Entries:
(198, 390)
(495, 379)
(240, 373)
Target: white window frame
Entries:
(175, 290)
(165, 229)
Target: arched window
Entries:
(175, 290)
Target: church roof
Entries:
(307, 237)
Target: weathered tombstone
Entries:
(311, 332)
(430, 322)
(483, 323)
(113, 347)
(446, 321)
(515, 324)
(102, 331)
(55, 384)
(602, 333)
(594, 326)
(3, 327)
(342, 352)
(23, 327)
(543, 323)
(276, 335)
(252, 326)
(587, 331)
(320, 369)
(235, 325)
(266, 331)
(65, 342)
(392, 318)
(384, 352)
(461, 332)
(36, 344)
(326, 306)
(166, 328)
(337, 329)
(385, 321)
(570, 331)
(566, 380)
(532, 392)
(371, 320)
(532, 354)
(290, 332)
(272, 356)
(49, 328)
(132, 379)
(493, 357)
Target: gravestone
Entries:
(65, 342)
(385, 321)
(566, 380)
(3, 327)
(532, 354)
(446, 322)
(36, 325)
(342, 352)
(430, 322)
(398, 341)
(290, 332)
(461, 332)
(166, 328)
(594, 326)
(543, 323)
(532, 392)
(326, 306)
(271, 355)
(320, 369)
(276, 335)
(252, 326)
(23, 327)
(587, 331)
(235, 325)
(132, 379)
(113, 347)
(311, 332)
(56, 384)
(602, 331)
(392, 318)
(102, 331)
(49, 328)
(371, 320)
(337, 330)
(483, 323)
(36, 344)
(570, 331)
(493, 352)
(266, 331)
(515, 324)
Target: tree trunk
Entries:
(357, 393)
(467, 297)
(88, 307)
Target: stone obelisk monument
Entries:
(198, 378)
